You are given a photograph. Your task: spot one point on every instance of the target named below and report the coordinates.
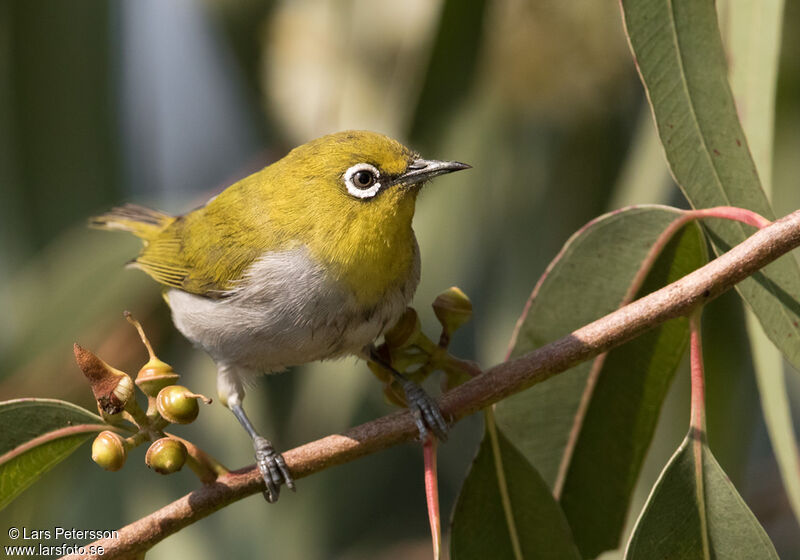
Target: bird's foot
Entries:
(426, 412)
(273, 469)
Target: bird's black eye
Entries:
(363, 179)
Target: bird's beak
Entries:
(423, 169)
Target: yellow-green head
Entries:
(347, 197)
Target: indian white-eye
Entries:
(311, 258)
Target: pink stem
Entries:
(731, 213)
(698, 413)
(725, 212)
(432, 494)
(49, 437)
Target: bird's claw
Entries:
(425, 411)
(273, 469)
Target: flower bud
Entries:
(405, 331)
(154, 376)
(112, 388)
(166, 455)
(177, 404)
(453, 308)
(108, 451)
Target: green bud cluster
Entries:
(168, 403)
(415, 355)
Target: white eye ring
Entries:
(351, 186)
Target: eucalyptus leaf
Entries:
(602, 466)
(505, 509)
(681, 60)
(777, 412)
(695, 512)
(753, 52)
(589, 278)
(588, 431)
(37, 434)
(753, 57)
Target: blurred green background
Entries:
(166, 103)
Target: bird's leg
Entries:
(423, 407)
(271, 464)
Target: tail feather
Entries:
(142, 222)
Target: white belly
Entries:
(287, 311)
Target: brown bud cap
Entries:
(178, 404)
(405, 331)
(166, 455)
(108, 451)
(112, 388)
(453, 308)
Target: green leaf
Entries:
(35, 435)
(752, 33)
(588, 432)
(615, 434)
(753, 55)
(588, 279)
(680, 57)
(777, 413)
(732, 408)
(505, 509)
(695, 512)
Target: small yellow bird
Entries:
(311, 258)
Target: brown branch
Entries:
(675, 300)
